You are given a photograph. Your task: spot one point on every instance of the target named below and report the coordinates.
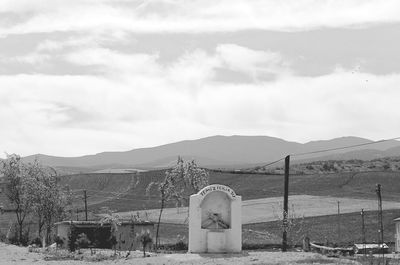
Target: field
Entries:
(119, 192)
(270, 209)
(319, 229)
(264, 194)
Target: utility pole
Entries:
(285, 204)
(338, 214)
(378, 192)
(85, 198)
(363, 231)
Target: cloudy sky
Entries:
(84, 76)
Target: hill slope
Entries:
(220, 151)
(118, 192)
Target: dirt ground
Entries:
(10, 254)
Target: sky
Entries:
(84, 76)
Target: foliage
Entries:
(294, 226)
(82, 241)
(48, 198)
(72, 236)
(145, 239)
(59, 241)
(115, 221)
(17, 193)
(179, 183)
(180, 243)
(37, 242)
(33, 190)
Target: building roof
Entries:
(124, 222)
(397, 219)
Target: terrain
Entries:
(232, 152)
(127, 192)
(18, 255)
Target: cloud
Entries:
(73, 115)
(194, 16)
(254, 63)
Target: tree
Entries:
(48, 198)
(115, 221)
(16, 189)
(145, 239)
(34, 189)
(179, 183)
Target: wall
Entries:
(126, 234)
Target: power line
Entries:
(269, 164)
(344, 147)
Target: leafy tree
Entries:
(16, 189)
(179, 183)
(34, 189)
(48, 198)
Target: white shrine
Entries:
(215, 220)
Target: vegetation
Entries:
(115, 221)
(34, 191)
(145, 239)
(179, 183)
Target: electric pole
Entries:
(85, 198)
(338, 213)
(285, 204)
(378, 192)
(363, 231)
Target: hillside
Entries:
(334, 166)
(116, 192)
(221, 152)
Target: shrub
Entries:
(145, 239)
(180, 243)
(58, 240)
(37, 241)
(82, 241)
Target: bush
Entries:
(145, 238)
(180, 244)
(72, 237)
(82, 241)
(58, 240)
(37, 242)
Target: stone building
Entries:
(99, 235)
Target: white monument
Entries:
(215, 220)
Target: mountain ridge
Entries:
(222, 151)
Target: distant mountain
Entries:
(223, 151)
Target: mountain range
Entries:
(225, 152)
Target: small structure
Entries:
(397, 235)
(100, 235)
(371, 248)
(215, 220)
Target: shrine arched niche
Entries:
(216, 211)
